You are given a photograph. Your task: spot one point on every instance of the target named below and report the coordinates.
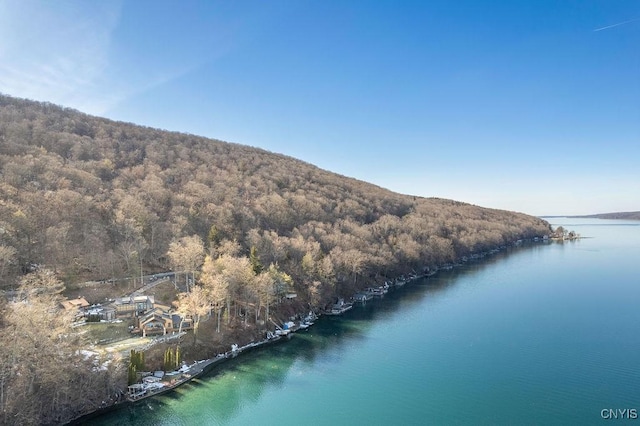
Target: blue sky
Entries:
(531, 106)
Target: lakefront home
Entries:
(133, 305)
(162, 320)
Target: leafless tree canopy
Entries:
(89, 197)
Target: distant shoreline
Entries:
(615, 216)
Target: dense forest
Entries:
(85, 198)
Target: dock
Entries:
(141, 391)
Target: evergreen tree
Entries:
(255, 261)
(132, 374)
(213, 238)
(167, 359)
(136, 363)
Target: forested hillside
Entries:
(87, 196)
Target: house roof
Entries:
(165, 308)
(74, 304)
(164, 314)
(134, 299)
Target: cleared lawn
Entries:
(102, 333)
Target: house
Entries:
(133, 305)
(162, 320)
(78, 304)
(102, 313)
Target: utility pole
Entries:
(141, 275)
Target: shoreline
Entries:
(196, 370)
(203, 367)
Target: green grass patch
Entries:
(104, 333)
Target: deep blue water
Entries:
(544, 334)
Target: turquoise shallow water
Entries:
(546, 334)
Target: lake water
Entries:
(544, 334)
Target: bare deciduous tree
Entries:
(194, 304)
(187, 255)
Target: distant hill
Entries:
(619, 215)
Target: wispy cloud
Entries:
(616, 25)
(68, 53)
(56, 51)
